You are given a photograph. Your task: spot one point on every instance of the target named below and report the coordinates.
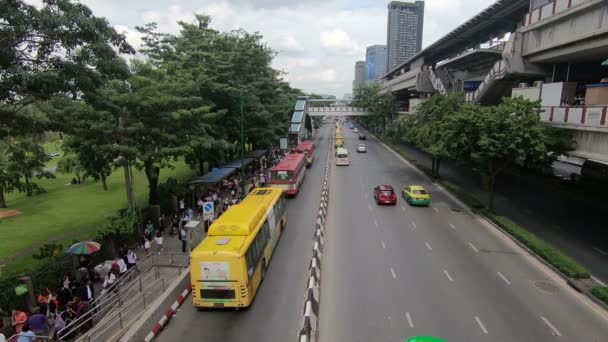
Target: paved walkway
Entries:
(570, 217)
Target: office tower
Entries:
(375, 63)
(359, 74)
(404, 33)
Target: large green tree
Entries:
(424, 128)
(27, 161)
(381, 106)
(494, 138)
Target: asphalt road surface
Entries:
(396, 271)
(277, 309)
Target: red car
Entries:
(384, 194)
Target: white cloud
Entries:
(318, 41)
(133, 37)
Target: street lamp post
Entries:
(243, 176)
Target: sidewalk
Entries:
(560, 213)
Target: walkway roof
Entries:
(237, 163)
(214, 176)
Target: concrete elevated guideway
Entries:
(276, 311)
(391, 272)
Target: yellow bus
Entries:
(227, 267)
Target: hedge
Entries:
(562, 262)
(465, 196)
(601, 293)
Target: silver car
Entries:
(361, 148)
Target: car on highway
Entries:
(351, 126)
(416, 195)
(384, 194)
(361, 148)
(355, 130)
(362, 136)
(342, 157)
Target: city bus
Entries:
(307, 148)
(288, 174)
(342, 157)
(228, 266)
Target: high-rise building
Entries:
(404, 33)
(375, 63)
(359, 74)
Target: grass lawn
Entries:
(68, 212)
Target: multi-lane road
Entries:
(277, 309)
(395, 271)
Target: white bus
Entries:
(342, 156)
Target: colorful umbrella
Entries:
(84, 248)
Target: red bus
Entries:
(288, 174)
(307, 148)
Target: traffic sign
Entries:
(208, 212)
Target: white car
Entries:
(361, 148)
(355, 130)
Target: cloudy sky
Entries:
(318, 41)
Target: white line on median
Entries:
(555, 331)
(409, 319)
(599, 250)
(436, 210)
(393, 273)
(452, 226)
(474, 248)
(481, 326)
(599, 281)
(428, 246)
(504, 278)
(383, 244)
(447, 274)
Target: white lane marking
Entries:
(376, 223)
(402, 208)
(393, 273)
(447, 274)
(481, 326)
(599, 250)
(474, 248)
(370, 207)
(504, 278)
(428, 246)
(414, 224)
(436, 210)
(383, 244)
(409, 319)
(555, 331)
(599, 281)
(452, 226)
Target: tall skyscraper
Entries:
(359, 75)
(375, 63)
(404, 34)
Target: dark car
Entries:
(362, 136)
(384, 194)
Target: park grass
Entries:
(67, 212)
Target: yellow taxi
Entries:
(416, 195)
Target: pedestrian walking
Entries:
(184, 238)
(122, 267)
(174, 225)
(147, 245)
(181, 205)
(39, 324)
(109, 281)
(158, 239)
(26, 335)
(131, 259)
(18, 320)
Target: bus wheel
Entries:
(263, 269)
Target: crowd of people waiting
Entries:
(74, 301)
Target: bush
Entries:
(466, 197)
(562, 262)
(601, 293)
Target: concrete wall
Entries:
(592, 142)
(530, 93)
(573, 25)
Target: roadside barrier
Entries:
(310, 312)
(167, 316)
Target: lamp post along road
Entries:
(243, 176)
